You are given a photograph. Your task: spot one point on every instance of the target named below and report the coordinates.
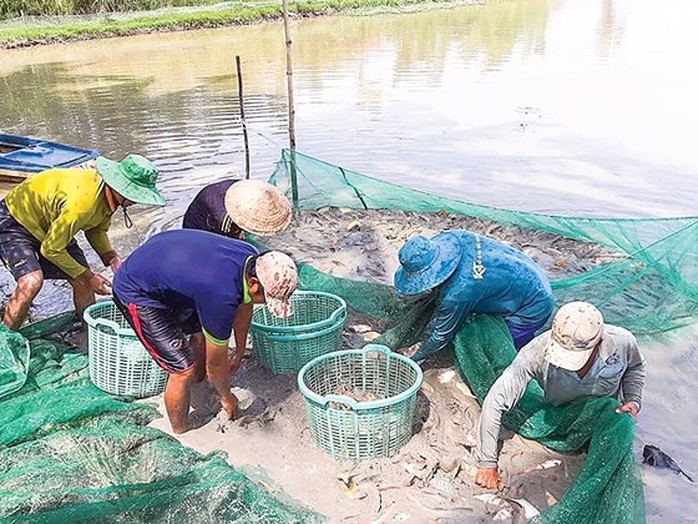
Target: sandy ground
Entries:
(431, 478)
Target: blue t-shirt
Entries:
(207, 211)
(188, 270)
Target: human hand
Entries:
(114, 263)
(411, 350)
(230, 405)
(629, 407)
(488, 478)
(99, 284)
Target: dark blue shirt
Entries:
(188, 270)
(207, 211)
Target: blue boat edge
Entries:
(21, 157)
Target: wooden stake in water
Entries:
(291, 109)
(242, 117)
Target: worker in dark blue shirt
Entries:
(233, 207)
(185, 292)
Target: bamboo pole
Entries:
(242, 117)
(291, 109)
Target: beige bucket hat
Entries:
(258, 207)
(278, 275)
(577, 329)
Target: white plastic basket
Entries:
(118, 362)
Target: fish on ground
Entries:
(654, 456)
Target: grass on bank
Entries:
(31, 31)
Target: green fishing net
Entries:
(72, 453)
(652, 288)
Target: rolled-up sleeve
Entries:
(504, 394)
(633, 381)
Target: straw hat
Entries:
(426, 263)
(258, 207)
(577, 329)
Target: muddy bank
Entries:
(429, 480)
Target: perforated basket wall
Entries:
(373, 413)
(285, 345)
(118, 362)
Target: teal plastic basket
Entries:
(377, 426)
(118, 362)
(285, 345)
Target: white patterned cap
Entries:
(278, 275)
(577, 329)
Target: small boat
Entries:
(21, 157)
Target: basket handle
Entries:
(340, 399)
(103, 322)
(302, 336)
(377, 348)
(337, 313)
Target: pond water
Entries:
(567, 106)
(560, 106)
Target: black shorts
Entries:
(20, 251)
(164, 332)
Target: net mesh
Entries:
(651, 290)
(71, 453)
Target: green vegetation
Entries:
(13, 8)
(32, 30)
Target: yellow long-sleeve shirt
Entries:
(55, 204)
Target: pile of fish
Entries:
(363, 244)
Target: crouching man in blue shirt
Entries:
(473, 274)
(578, 358)
(184, 293)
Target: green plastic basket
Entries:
(118, 362)
(377, 426)
(285, 345)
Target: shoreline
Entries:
(33, 31)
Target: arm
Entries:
(504, 394)
(442, 327)
(633, 381)
(98, 239)
(218, 373)
(58, 236)
(241, 326)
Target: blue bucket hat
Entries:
(426, 263)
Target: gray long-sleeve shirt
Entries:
(618, 371)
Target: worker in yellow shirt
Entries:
(41, 216)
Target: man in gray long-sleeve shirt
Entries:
(578, 358)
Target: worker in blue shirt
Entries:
(186, 293)
(473, 274)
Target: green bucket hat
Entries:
(134, 178)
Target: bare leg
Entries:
(83, 296)
(28, 286)
(177, 399)
(199, 346)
